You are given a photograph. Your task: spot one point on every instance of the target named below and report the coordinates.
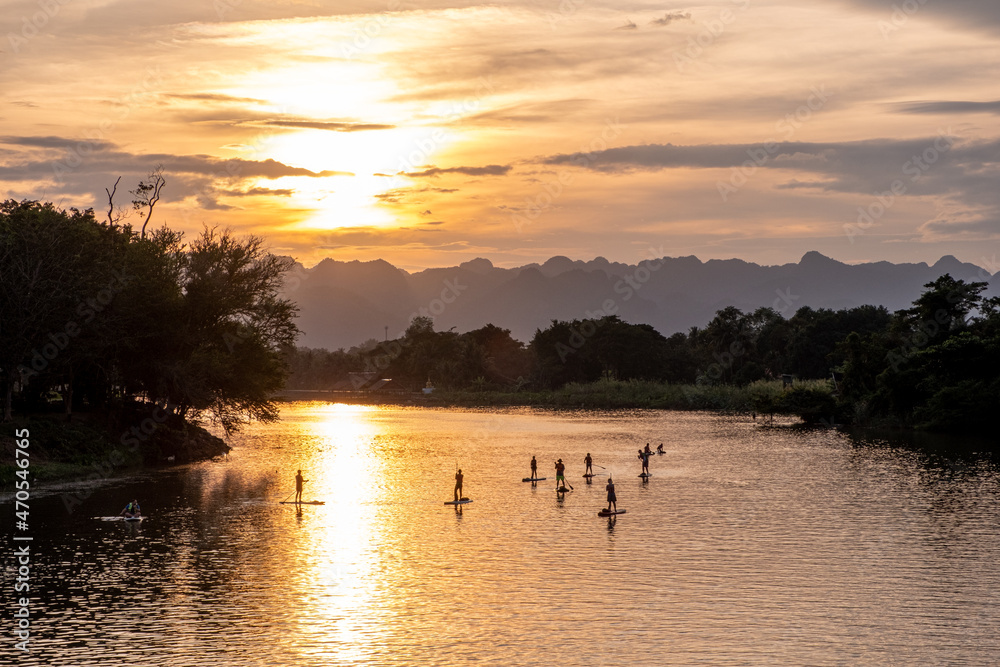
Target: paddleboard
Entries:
(645, 475)
(304, 502)
(610, 513)
(463, 501)
(133, 519)
(562, 489)
(534, 479)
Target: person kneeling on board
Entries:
(458, 485)
(612, 498)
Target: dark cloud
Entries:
(60, 167)
(949, 107)
(489, 170)
(214, 97)
(629, 25)
(670, 17)
(271, 192)
(978, 14)
(56, 142)
(863, 158)
(333, 126)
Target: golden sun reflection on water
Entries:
(337, 541)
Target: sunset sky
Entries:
(431, 133)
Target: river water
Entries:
(749, 545)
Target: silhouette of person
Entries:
(588, 461)
(612, 498)
(645, 461)
(534, 467)
(458, 484)
(298, 486)
(560, 474)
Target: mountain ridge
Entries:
(343, 304)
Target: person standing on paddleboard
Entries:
(560, 474)
(298, 486)
(534, 467)
(612, 498)
(589, 461)
(458, 485)
(645, 461)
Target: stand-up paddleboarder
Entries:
(645, 461)
(589, 462)
(298, 486)
(458, 485)
(612, 498)
(560, 475)
(534, 468)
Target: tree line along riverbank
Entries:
(933, 366)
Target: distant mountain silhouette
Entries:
(343, 304)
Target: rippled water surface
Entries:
(749, 545)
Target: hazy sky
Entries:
(431, 133)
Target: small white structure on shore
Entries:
(429, 387)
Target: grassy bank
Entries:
(89, 446)
(762, 397)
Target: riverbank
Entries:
(88, 446)
(812, 400)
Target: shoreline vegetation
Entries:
(118, 341)
(764, 397)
